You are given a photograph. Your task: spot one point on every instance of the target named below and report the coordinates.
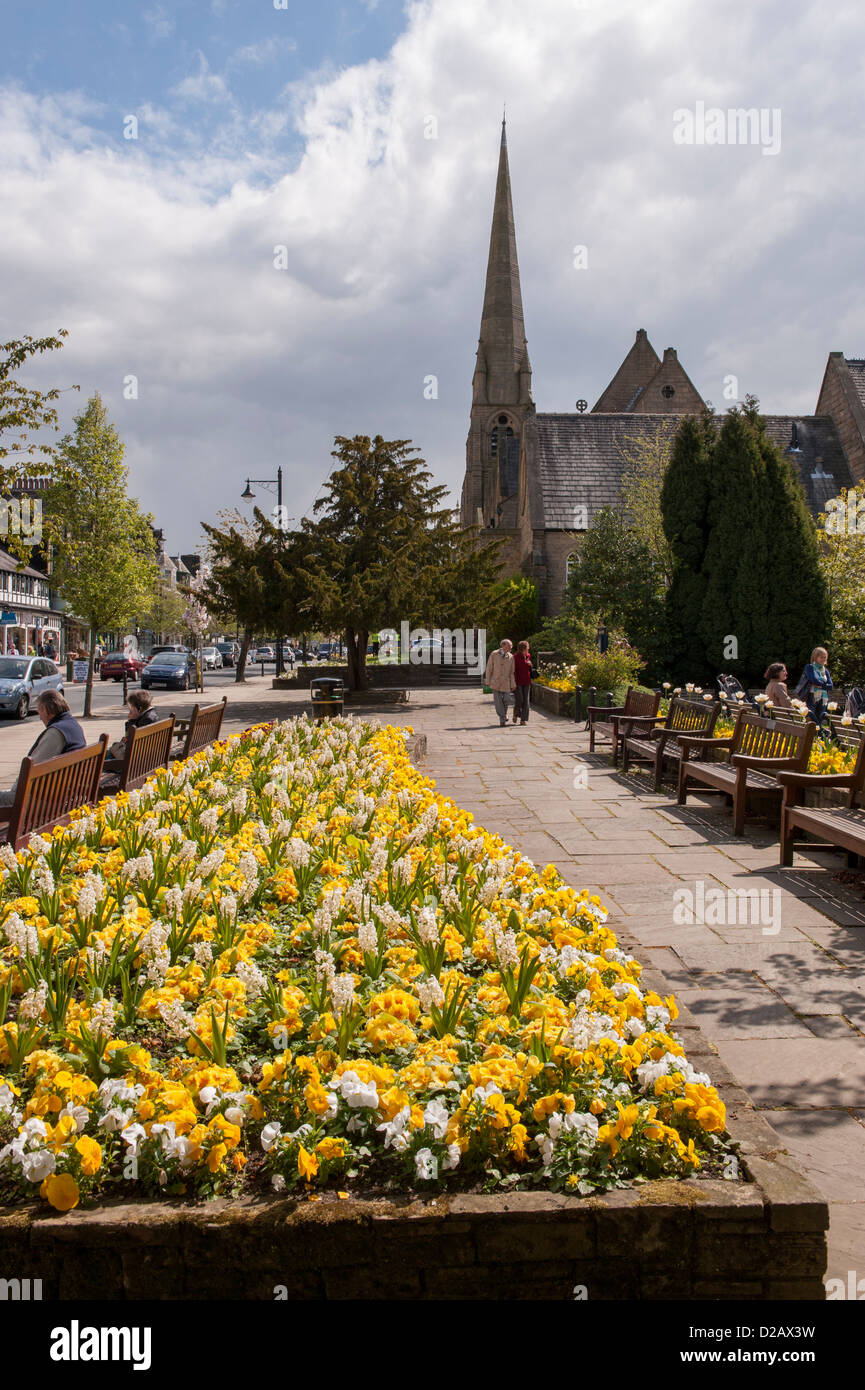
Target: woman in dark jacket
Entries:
(815, 685)
(141, 712)
(523, 670)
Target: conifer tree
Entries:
(685, 510)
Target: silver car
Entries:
(22, 678)
(212, 658)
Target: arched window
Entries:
(570, 566)
(505, 446)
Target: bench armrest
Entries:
(816, 779)
(606, 710)
(773, 765)
(701, 741)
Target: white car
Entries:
(212, 658)
(264, 654)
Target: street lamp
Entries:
(247, 496)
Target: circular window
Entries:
(668, 391)
(503, 419)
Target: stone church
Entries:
(534, 479)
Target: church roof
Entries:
(856, 368)
(631, 379)
(580, 458)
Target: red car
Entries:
(115, 664)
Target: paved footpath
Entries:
(784, 1011)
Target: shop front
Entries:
(27, 620)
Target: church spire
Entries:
(503, 373)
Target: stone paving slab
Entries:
(785, 1013)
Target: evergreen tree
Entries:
(799, 607)
(612, 580)
(685, 510)
(734, 625)
(385, 551)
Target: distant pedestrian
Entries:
(50, 650)
(499, 676)
(815, 684)
(776, 688)
(523, 672)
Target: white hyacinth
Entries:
(427, 926)
(342, 993)
(429, 992)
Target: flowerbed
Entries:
(290, 961)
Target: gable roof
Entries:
(856, 368)
(637, 370)
(580, 460)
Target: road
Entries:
(108, 695)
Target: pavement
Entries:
(779, 993)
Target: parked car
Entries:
(22, 678)
(229, 651)
(116, 664)
(174, 670)
(212, 658)
(264, 654)
(160, 651)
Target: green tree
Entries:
(104, 555)
(685, 514)
(239, 584)
(646, 458)
(841, 544)
(25, 411)
(512, 611)
(747, 586)
(611, 581)
(384, 550)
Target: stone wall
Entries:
(664, 1240)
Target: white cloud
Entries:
(158, 255)
(160, 21)
(257, 54)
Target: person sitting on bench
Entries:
(141, 712)
(62, 734)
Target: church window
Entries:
(668, 391)
(570, 565)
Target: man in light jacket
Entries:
(499, 676)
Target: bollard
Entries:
(125, 690)
(609, 699)
(593, 695)
(578, 702)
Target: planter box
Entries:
(760, 1238)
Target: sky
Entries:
(264, 223)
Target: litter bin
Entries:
(327, 697)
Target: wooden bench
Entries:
(147, 748)
(604, 719)
(759, 748)
(841, 827)
(46, 793)
(643, 742)
(202, 728)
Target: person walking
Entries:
(815, 685)
(776, 688)
(499, 676)
(523, 672)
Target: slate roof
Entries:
(856, 368)
(580, 461)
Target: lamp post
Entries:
(247, 496)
